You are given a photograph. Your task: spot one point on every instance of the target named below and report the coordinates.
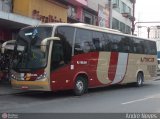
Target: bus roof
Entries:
(93, 27)
(82, 25)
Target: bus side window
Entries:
(77, 49)
(85, 46)
(96, 43)
(114, 47)
(107, 42)
(134, 49)
(83, 42)
(65, 33)
(127, 49)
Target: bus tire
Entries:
(80, 86)
(140, 79)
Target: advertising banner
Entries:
(103, 16)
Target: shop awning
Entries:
(14, 21)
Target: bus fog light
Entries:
(42, 76)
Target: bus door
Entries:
(57, 59)
(58, 67)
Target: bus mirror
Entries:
(8, 45)
(78, 48)
(44, 42)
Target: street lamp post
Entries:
(148, 31)
(133, 25)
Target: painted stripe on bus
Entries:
(113, 65)
(121, 67)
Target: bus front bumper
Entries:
(31, 85)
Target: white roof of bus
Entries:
(82, 25)
(92, 27)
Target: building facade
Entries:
(154, 33)
(99, 7)
(78, 11)
(123, 15)
(15, 14)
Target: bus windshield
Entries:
(29, 55)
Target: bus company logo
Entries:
(29, 75)
(147, 59)
(4, 115)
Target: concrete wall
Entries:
(93, 4)
(118, 15)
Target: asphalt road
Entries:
(114, 99)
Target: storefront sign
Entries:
(46, 19)
(103, 16)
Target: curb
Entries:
(157, 78)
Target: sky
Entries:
(147, 10)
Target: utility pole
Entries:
(133, 25)
(148, 31)
(110, 13)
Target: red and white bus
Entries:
(62, 56)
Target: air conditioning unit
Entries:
(125, 14)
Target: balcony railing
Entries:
(125, 14)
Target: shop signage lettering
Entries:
(46, 19)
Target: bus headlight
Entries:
(42, 76)
(13, 76)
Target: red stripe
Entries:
(113, 65)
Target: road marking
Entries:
(133, 101)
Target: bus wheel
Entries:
(139, 82)
(80, 86)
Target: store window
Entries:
(128, 10)
(72, 12)
(88, 18)
(115, 24)
(6, 5)
(122, 27)
(128, 29)
(123, 7)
